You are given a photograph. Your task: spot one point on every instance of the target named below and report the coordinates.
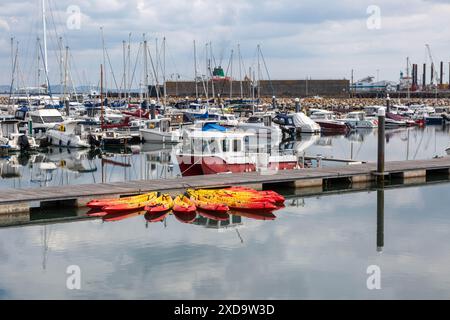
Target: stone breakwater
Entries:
(343, 104)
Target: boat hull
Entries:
(159, 137)
(193, 166)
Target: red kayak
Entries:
(156, 216)
(184, 205)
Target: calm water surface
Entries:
(316, 248)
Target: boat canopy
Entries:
(213, 127)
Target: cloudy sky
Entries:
(318, 39)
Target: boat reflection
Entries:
(215, 216)
(262, 216)
(185, 217)
(155, 217)
(115, 217)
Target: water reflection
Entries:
(317, 248)
(380, 220)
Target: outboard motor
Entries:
(24, 143)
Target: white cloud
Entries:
(318, 39)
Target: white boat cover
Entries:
(302, 121)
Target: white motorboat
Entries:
(68, 134)
(160, 131)
(221, 152)
(296, 123)
(44, 119)
(359, 120)
(11, 140)
(263, 127)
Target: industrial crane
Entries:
(435, 73)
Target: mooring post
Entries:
(388, 104)
(297, 105)
(274, 102)
(381, 142)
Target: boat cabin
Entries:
(357, 115)
(162, 125)
(265, 120)
(199, 143)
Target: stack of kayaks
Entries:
(236, 198)
(218, 201)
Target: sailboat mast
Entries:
(65, 72)
(240, 71)
(145, 69)
(164, 72)
(12, 58)
(157, 70)
(124, 70)
(195, 71)
(104, 59)
(44, 26)
(231, 74)
(259, 72)
(101, 96)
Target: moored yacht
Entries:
(11, 140)
(327, 122)
(219, 152)
(295, 124)
(160, 131)
(359, 120)
(68, 134)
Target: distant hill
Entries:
(4, 89)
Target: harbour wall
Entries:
(278, 88)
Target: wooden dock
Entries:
(22, 200)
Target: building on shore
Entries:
(266, 88)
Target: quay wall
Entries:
(278, 88)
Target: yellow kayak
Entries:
(162, 204)
(101, 203)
